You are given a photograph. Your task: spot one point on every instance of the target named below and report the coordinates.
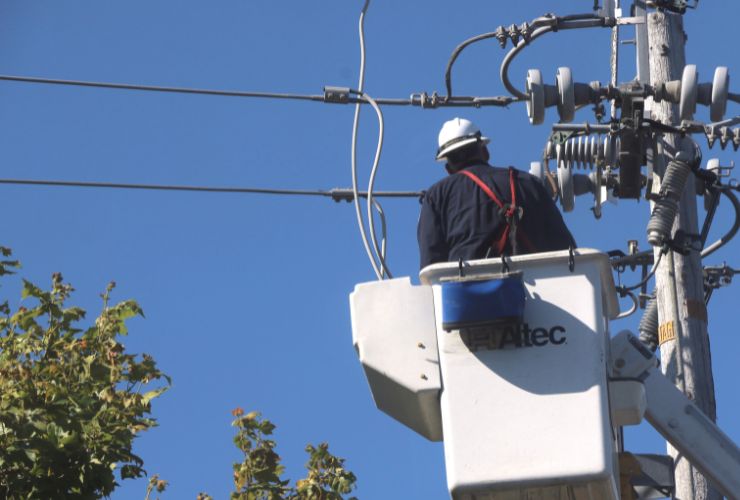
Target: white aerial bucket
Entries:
(525, 407)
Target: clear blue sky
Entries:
(246, 296)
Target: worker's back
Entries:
(460, 221)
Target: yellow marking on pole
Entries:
(666, 332)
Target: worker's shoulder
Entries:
(443, 184)
(487, 173)
(500, 174)
(527, 184)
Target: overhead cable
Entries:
(380, 252)
(520, 37)
(355, 126)
(504, 70)
(156, 88)
(632, 309)
(624, 290)
(337, 194)
(379, 266)
(544, 25)
(421, 99)
(371, 187)
(710, 249)
(456, 53)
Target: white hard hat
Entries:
(458, 133)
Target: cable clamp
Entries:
(683, 242)
(502, 36)
(420, 99)
(656, 196)
(342, 194)
(336, 95)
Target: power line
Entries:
(421, 99)
(337, 194)
(156, 88)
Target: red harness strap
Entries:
(509, 211)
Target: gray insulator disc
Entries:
(536, 100)
(720, 90)
(566, 95)
(565, 184)
(689, 92)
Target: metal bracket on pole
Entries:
(636, 20)
(608, 10)
(639, 10)
(677, 418)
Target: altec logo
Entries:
(512, 336)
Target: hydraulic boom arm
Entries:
(678, 419)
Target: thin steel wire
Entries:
(156, 88)
(417, 99)
(338, 194)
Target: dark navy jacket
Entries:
(458, 220)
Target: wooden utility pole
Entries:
(684, 348)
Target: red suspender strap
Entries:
(520, 233)
(483, 187)
(501, 242)
(513, 191)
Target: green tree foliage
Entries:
(258, 476)
(72, 400)
(155, 483)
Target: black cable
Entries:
(710, 249)
(154, 88)
(499, 33)
(548, 25)
(456, 52)
(338, 194)
(624, 289)
(420, 99)
(504, 69)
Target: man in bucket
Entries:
(481, 211)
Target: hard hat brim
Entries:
(459, 144)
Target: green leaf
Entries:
(30, 290)
(148, 396)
